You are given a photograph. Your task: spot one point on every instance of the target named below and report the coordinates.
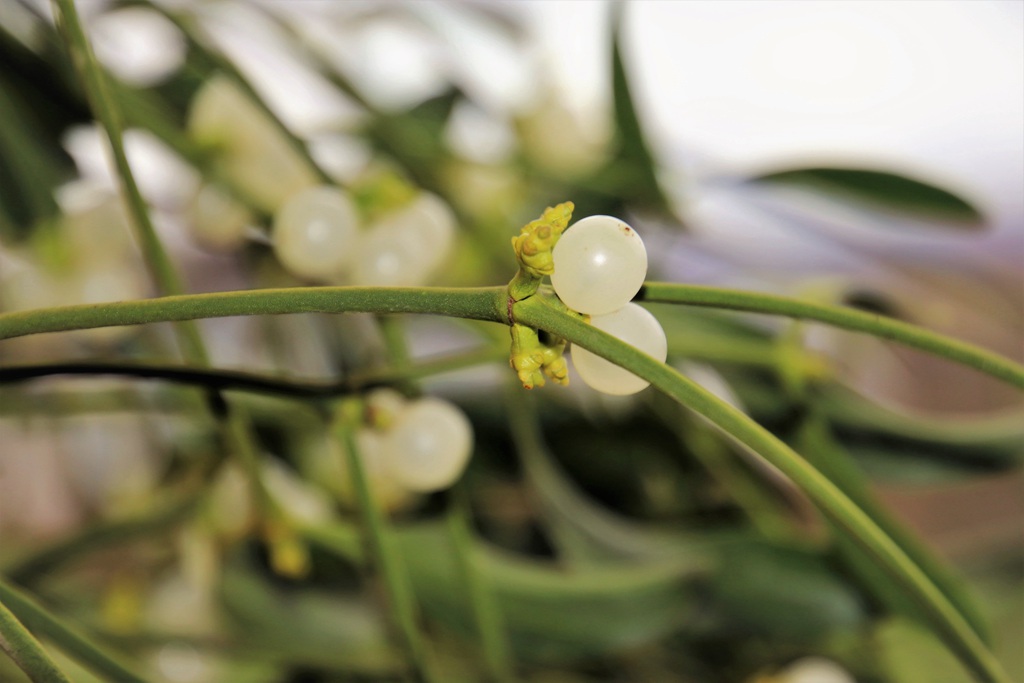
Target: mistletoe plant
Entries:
(370, 248)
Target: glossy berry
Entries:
(428, 446)
(599, 265)
(815, 670)
(406, 247)
(315, 232)
(633, 325)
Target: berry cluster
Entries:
(599, 265)
(411, 446)
(318, 231)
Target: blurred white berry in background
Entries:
(407, 246)
(429, 445)
(315, 233)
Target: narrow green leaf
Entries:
(26, 651)
(64, 635)
(631, 173)
(784, 593)
(612, 608)
(883, 190)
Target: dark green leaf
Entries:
(787, 593)
(883, 190)
(631, 172)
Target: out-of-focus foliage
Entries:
(610, 539)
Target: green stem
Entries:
(381, 548)
(26, 651)
(481, 303)
(108, 114)
(846, 318)
(490, 624)
(236, 432)
(873, 541)
(67, 637)
(815, 438)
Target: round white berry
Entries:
(315, 232)
(816, 670)
(407, 246)
(429, 446)
(633, 325)
(600, 264)
(430, 217)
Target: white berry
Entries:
(599, 265)
(429, 446)
(407, 246)
(633, 325)
(816, 670)
(315, 232)
(432, 221)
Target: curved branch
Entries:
(837, 506)
(839, 316)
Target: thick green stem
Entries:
(484, 303)
(846, 318)
(873, 541)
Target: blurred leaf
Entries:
(307, 626)
(998, 434)
(35, 110)
(584, 531)
(919, 448)
(883, 190)
(631, 173)
(553, 614)
(911, 654)
(784, 593)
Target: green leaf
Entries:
(308, 625)
(611, 608)
(883, 190)
(631, 173)
(784, 593)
